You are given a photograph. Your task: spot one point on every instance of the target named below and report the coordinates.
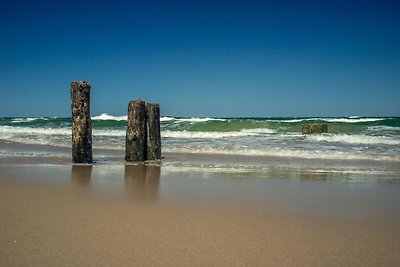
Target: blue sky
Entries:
(211, 58)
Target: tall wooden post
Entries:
(136, 140)
(81, 122)
(153, 131)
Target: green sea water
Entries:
(372, 139)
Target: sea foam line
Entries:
(105, 116)
(19, 120)
(283, 153)
(198, 119)
(344, 120)
(10, 130)
(215, 135)
(353, 120)
(354, 139)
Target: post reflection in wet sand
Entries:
(309, 176)
(81, 175)
(142, 182)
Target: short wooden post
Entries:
(153, 131)
(135, 146)
(314, 128)
(81, 122)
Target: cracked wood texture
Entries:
(153, 131)
(81, 122)
(136, 133)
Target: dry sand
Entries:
(132, 216)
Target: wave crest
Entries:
(106, 117)
(214, 135)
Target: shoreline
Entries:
(18, 153)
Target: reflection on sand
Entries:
(313, 176)
(81, 175)
(142, 182)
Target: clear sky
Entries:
(202, 58)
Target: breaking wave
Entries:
(354, 139)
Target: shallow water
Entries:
(353, 143)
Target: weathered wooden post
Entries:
(136, 133)
(81, 122)
(314, 128)
(153, 131)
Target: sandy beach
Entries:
(59, 215)
(200, 133)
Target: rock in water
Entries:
(314, 128)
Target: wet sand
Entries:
(58, 215)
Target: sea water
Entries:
(371, 139)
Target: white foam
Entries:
(167, 118)
(383, 128)
(18, 120)
(295, 120)
(27, 131)
(105, 116)
(258, 131)
(214, 135)
(199, 119)
(284, 153)
(34, 131)
(354, 139)
(352, 120)
(120, 133)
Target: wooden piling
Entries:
(136, 133)
(314, 128)
(153, 131)
(81, 122)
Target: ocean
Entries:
(374, 141)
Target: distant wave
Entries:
(29, 131)
(4, 130)
(214, 135)
(344, 120)
(199, 119)
(106, 117)
(19, 120)
(167, 118)
(294, 120)
(353, 120)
